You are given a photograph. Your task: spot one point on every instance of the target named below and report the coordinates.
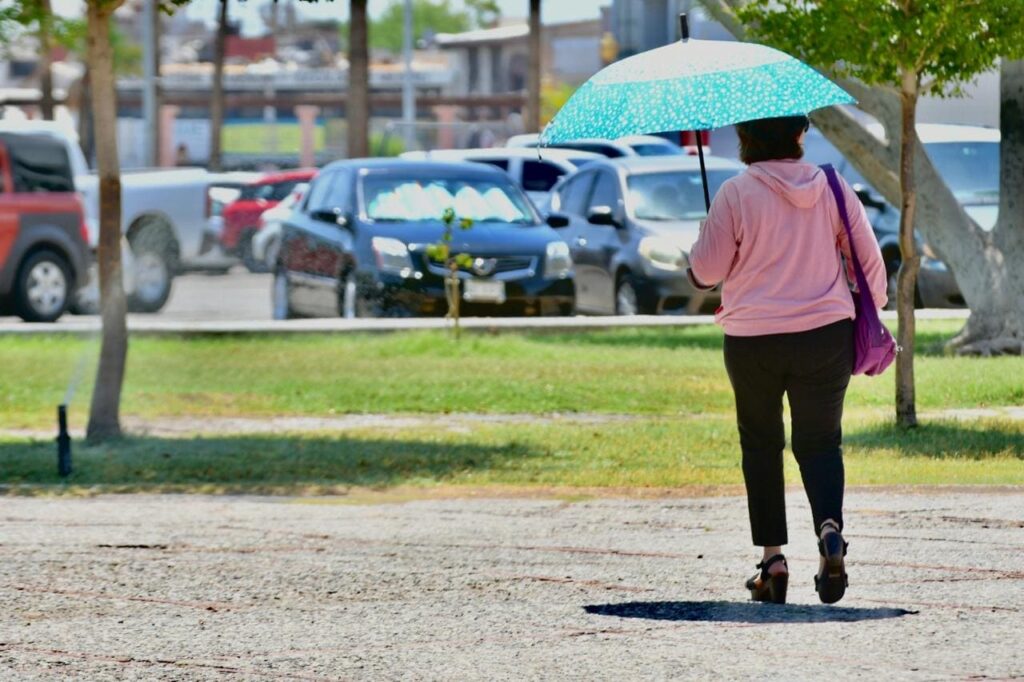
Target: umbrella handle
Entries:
(703, 170)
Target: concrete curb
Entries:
(145, 325)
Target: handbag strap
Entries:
(837, 192)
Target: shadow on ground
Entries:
(742, 612)
(969, 440)
(251, 463)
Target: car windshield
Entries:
(970, 169)
(412, 199)
(656, 149)
(672, 195)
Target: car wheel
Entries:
(43, 287)
(249, 259)
(353, 302)
(281, 299)
(153, 272)
(270, 256)
(892, 270)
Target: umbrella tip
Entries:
(684, 28)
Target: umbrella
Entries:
(692, 85)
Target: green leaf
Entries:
(463, 260)
(466, 223)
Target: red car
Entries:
(44, 242)
(242, 216)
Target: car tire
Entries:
(249, 260)
(154, 273)
(43, 288)
(280, 297)
(353, 303)
(270, 253)
(628, 299)
(892, 271)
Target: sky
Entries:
(553, 11)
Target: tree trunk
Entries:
(906, 407)
(217, 91)
(358, 104)
(533, 80)
(46, 103)
(995, 291)
(104, 421)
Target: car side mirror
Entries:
(558, 220)
(868, 198)
(330, 215)
(603, 215)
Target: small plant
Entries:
(441, 252)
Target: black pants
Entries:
(813, 369)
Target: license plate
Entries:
(484, 290)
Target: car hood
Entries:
(481, 238)
(682, 233)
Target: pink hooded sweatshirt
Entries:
(774, 236)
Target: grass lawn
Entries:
(671, 381)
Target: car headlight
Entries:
(663, 254)
(557, 261)
(392, 256)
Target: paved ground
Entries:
(151, 587)
(240, 302)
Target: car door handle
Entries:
(581, 241)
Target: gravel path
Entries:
(198, 588)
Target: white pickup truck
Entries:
(163, 218)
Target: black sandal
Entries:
(766, 587)
(832, 582)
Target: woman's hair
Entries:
(767, 139)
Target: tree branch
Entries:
(723, 11)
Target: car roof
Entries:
(635, 165)
(285, 176)
(645, 139)
(418, 166)
(932, 133)
(556, 153)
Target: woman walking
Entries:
(775, 240)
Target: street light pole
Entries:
(149, 76)
(408, 91)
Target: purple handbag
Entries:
(874, 347)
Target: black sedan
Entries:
(357, 245)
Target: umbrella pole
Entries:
(703, 170)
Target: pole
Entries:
(149, 107)
(408, 91)
(703, 170)
(63, 442)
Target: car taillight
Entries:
(83, 229)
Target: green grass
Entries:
(645, 372)
(681, 434)
(694, 453)
(255, 138)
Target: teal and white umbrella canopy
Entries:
(691, 85)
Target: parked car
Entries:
(241, 217)
(267, 242)
(631, 223)
(163, 217)
(44, 241)
(535, 173)
(652, 145)
(611, 149)
(357, 244)
(967, 158)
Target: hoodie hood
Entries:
(800, 183)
